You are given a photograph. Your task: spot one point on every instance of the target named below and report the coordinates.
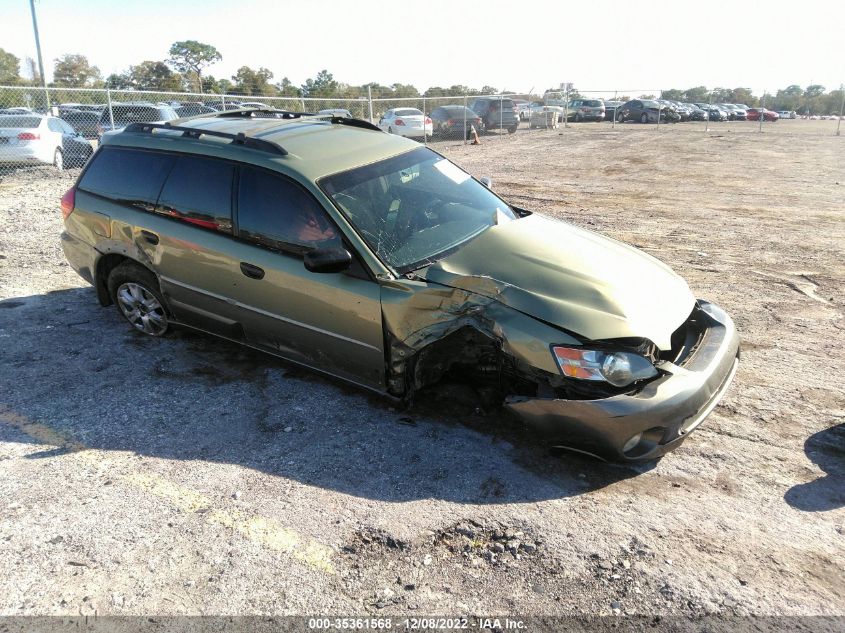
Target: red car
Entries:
(768, 115)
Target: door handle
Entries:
(150, 237)
(252, 271)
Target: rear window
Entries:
(593, 103)
(10, 121)
(507, 104)
(199, 190)
(127, 175)
(408, 112)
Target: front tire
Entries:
(59, 160)
(135, 292)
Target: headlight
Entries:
(620, 369)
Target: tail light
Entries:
(68, 202)
(427, 120)
(451, 122)
(28, 136)
(585, 109)
(400, 122)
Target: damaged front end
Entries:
(436, 332)
(656, 415)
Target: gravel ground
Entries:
(190, 476)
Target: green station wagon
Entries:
(368, 257)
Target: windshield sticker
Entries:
(451, 171)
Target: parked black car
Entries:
(193, 109)
(450, 120)
(85, 123)
(611, 108)
(646, 111)
(496, 113)
(122, 114)
(696, 113)
(714, 113)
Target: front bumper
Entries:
(664, 410)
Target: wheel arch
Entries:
(107, 263)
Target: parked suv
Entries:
(496, 113)
(586, 110)
(366, 256)
(122, 114)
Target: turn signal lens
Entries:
(620, 369)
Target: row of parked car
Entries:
(646, 110)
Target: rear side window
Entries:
(199, 190)
(127, 175)
(275, 212)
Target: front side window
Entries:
(416, 207)
(127, 175)
(275, 212)
(199, 191)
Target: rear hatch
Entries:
(507, 113)
(18, 129)
(410, 118)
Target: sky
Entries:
(516, 45)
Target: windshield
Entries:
(414, 208)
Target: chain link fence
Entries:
(60, 127)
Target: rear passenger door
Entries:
(330, 321)
(189, 240)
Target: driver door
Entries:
(329, 321)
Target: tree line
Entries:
(184, 71)
(810, 100)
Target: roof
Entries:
(315, 147)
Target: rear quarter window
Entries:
(127, 175)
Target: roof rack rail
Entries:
(260, 113)
(193, 132)
(272, 113)
(342, 120)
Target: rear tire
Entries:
(644, 118)
(135, 292)
(59, 160)
(512, 130)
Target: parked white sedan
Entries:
(32, 138)
(406, 122)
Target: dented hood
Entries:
(572, 278)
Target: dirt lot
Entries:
(189, 476)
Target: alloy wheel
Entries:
(141, 308)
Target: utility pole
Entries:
(38, 50)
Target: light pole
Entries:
(38, 50)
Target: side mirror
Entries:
(487, 182)
(327, 260)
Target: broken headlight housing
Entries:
(619, 369)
